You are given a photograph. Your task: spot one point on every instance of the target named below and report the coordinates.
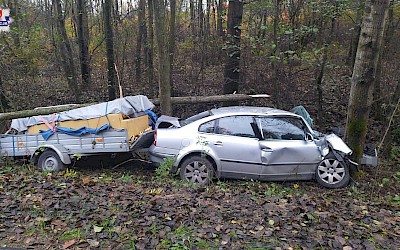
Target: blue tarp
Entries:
(152, 118)
(74, 132)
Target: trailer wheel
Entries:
(50, 161)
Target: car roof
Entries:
(247, 109)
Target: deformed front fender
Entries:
(338, 144)
(333, 143)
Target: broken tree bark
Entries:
(174, 100)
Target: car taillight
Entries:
(155, 138)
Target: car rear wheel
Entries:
(332, 173)
(197, 170)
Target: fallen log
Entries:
(156, 101)
(213, 98)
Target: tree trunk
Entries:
(200, 14)
(192, 17)
(116, 12)
(163, 57)
(150, 50)
(83, 41)
(219, 19)
(14, 13)
(67, 59)
(355, 34)
(386, 145)
(319, 77)
(274, 54)
(364, 73)
(140, 39)
(4, 104)
(172, 32)
(232, 63)
(378, 100)
(109, 37)
(208, 22)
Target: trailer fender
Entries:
(59, 149)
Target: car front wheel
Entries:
(332, 173)
(198, 170)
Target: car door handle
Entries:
(218, 143)
(265, 148)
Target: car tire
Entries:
(332, 173)
(197, 170)
(50, 161)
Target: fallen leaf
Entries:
(85, 180)
(69, 243)
(97, 229)
(259, 228)
(93, 243)
(225, 239)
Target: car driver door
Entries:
(285, 152)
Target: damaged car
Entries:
(256, 143)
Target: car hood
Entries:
(337, 144)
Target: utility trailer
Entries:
(126, 130)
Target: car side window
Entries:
(282, 128)
(236, 126)
(207, 127)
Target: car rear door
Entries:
(285, 152)
(235, 144)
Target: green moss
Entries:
(356, 129)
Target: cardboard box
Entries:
(134, 126)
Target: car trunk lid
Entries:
(167, 121)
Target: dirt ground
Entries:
(131, 207)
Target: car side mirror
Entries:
(309, 137)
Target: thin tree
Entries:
(192, 17)
(219, 19)
(109, 37)
(172, 37)
(83, 41)
(355, 36)
(364, 73)
(14, 12)
(275, 52)
(232, 63)
(149, 50)
(67, 59)
(140, 39)
(164, 70)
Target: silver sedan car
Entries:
(250, 143)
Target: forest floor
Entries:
(133, 207)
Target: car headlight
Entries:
(325, 151)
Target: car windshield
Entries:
(282, 128)
(195, 118)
